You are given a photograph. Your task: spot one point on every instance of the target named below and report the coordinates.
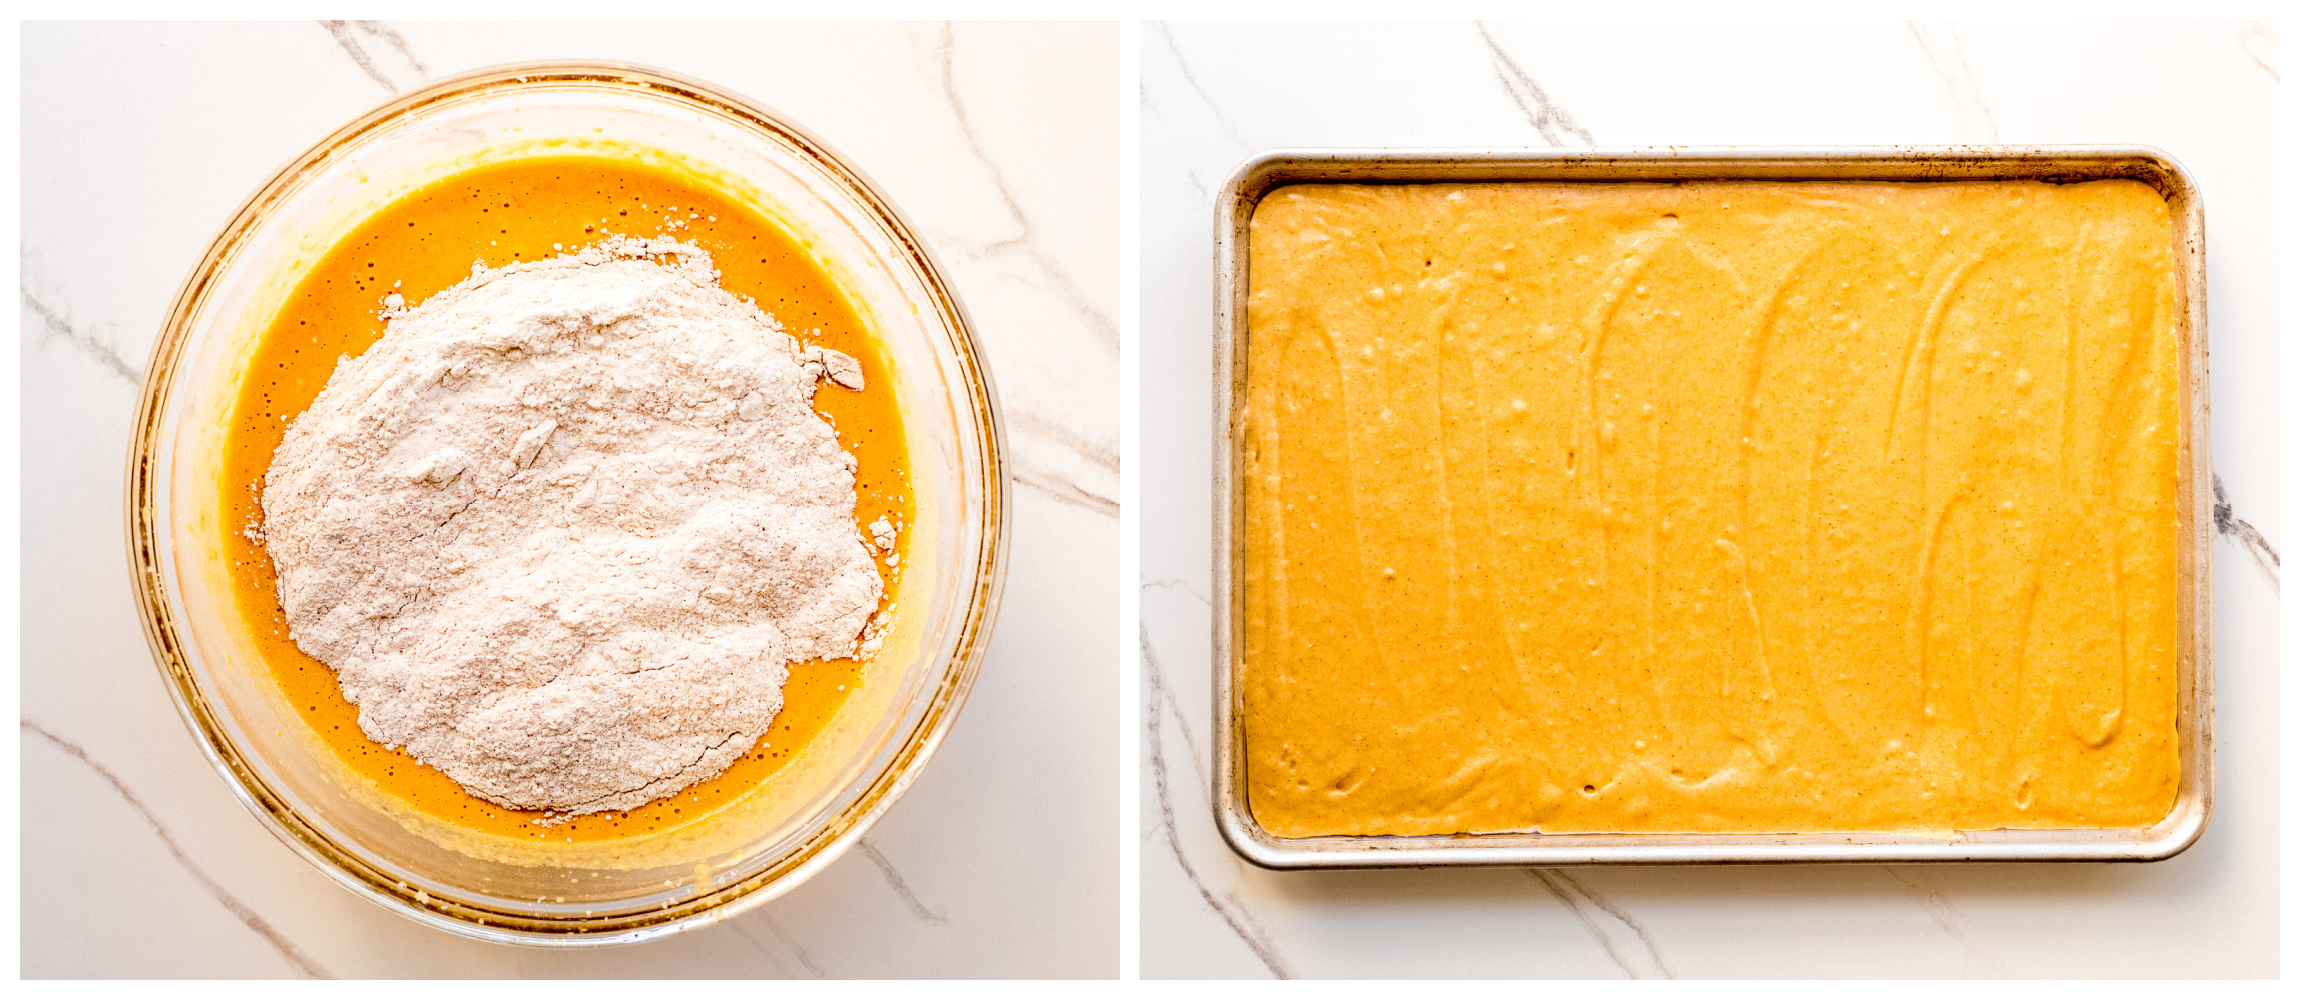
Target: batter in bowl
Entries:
(524, 210)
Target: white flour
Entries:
(561, 530)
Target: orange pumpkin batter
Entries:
(524, 210)
(1733, 506)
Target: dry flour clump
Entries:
(561, 530)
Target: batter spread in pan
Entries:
(1730, 506)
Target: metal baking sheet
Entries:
(1235, 208)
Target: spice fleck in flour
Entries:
(561, 531)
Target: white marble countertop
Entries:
(1214, 94)
(998, 141)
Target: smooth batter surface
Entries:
(1735, 506)
(523, 210)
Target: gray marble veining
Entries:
(1087, 457)
(1165, 699)
(1237, 139)
(1057, 277)
(1638, 957)
(272, 935)
(56, 326)
(1062, 477)
(1555, 124)
(798, 951)
(1945, 915)
(894, 880)
(1165, 33)
(2259, 43)
(381, 52)
(1946, 52)
(1067, 493)
(1228, 906)
(742, 930)
(2245, 536)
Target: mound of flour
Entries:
(561, 530)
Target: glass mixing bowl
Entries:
(599, 892)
